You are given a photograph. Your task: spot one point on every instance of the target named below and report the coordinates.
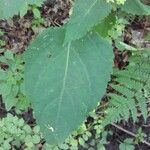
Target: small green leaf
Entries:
(23, 103)
(3, 59)
(28, 138)
(5, 89)
(9, 101)
(27, 129)
(64, 146)
(105, 25)
(147, 36)
(36, 129)
(36, 13)
(6, 145)
(127, 145)
(100, 147)
(21, 122)
(35, 139)
(85, 137)
(3, 75)
(9, 55)
(81, 141)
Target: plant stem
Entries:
(129, 133)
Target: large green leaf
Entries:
(136, 7)
(64, 83)
(8, 8)
(86, 14)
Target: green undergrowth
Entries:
(12, 81)
(16, 134)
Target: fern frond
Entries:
(131, 90)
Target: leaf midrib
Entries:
(88, 11)
(64, 83)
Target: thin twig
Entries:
(129, 133)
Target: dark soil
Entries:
(119, 136)
(18, 31)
